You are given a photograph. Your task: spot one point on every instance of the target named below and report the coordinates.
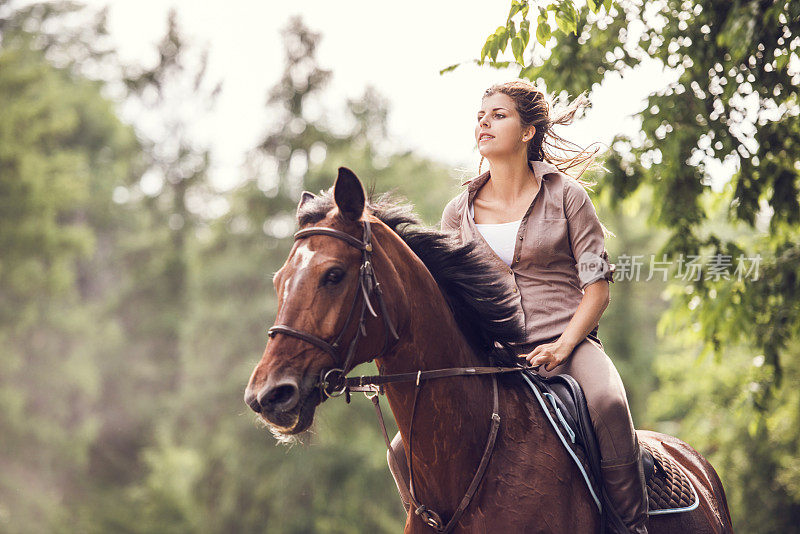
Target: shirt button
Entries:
(520, 238)
(514, 290)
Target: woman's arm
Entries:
(587, 316)
(594, 273)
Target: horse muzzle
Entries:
(285, 404)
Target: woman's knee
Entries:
(613, 425)
(611, 405)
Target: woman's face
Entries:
(498, 131)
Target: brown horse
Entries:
(441, 300)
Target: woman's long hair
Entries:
(535, 110)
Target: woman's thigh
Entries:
(605, 394)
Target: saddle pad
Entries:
(669, 490)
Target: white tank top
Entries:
(502, 237)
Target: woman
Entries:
(540, 228)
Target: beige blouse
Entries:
(559, 249)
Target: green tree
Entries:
(233, 478)
(145, 472)
(62, 153)
(552, 17)
(750, 436)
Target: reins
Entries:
(334, 382)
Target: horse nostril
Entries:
(282, 398)
(251, 400)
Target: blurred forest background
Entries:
(135, 296)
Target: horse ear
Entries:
(348, 193)
(304, 197)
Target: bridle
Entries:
(334, 382)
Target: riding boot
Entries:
(625, 485)
(399, 472)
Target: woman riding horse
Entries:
(539, 227)
(364, 281)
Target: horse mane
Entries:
(483, 307)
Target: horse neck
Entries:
(431, 338)
(452, 415)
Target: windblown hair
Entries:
(483, 307)
(535, 109)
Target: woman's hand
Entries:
(551, 355)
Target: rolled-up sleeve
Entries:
(586, 236)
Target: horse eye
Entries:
(333, 276)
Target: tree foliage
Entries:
(750, 437)
(63, 151)
(734, 101)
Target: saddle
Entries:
(669, 489)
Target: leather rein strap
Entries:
(334, 382)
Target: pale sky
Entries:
(398, 48)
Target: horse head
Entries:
(330, 309)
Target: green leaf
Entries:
(524, 33)
(486, 48)
(529, 72)
(494, 48)
(594, 5)
(448, 69)
(516, 6)
(781, 61)
(517, 49)
(502, 38)
(607, 5)
(500, 64)
(543, 33)
(572, 15)
(566, 22)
